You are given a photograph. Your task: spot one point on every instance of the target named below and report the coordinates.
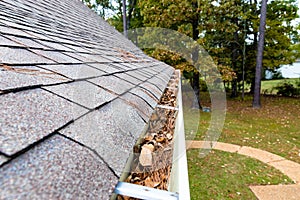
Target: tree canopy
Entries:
(227, 29)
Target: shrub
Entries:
(288, 89)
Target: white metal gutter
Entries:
(179, 181)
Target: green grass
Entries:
(274, 128)
(222, 175)
(268, 86)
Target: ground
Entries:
(274, 128)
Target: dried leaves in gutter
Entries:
(153, 155)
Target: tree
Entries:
(179, 15)
(124, 18)
(223, 28)
(99, 6)
(260, 50)
(229, 24)
(279, 34)
(224, 35)
(112, 11)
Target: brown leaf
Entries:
(145, 157)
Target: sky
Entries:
(291, 71)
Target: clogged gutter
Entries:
(152, 160)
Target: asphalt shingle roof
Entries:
(75, 95)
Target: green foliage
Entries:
(203, 86)
(99, 6)
(111, 10)
(221, 27)
(288, 89)
(184, 17)
(279, 34)
(173, 14)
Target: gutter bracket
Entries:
(167, 107)
(143, 192)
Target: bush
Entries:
(288, 89)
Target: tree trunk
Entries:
(233, 89)
(234, 55)
(196, 75)
(252, 85)
(259, 59)
(132, 4)
(195, 85)
(124, 18)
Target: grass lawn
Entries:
(222, 175)
(267, 86)
(274, 128)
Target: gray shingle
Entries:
(56, 56)
(119, 67)
(24, 76)
(152, 89)
(131, 65)
(20, 56)
(66, 40)
(12, 31)
(83, 93)
(57, 169)
(150, 71)
(34, 34)
(104, 67)
(128, 78)
(27, 42)
(3, 159)
(17, 26)
(168, 70)
(113, 58)
(61, 40)
(80, 58)
(26, 117)
(145, 73)
(164, 76)
(161, 84)
(94, 57)
(147, 96)
(138, 75)
(111, 131)
(6, 42)
(113, 84)
(76, 48)
(54, 45)
(74, 71)
(143, 109)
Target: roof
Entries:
(75, 95)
